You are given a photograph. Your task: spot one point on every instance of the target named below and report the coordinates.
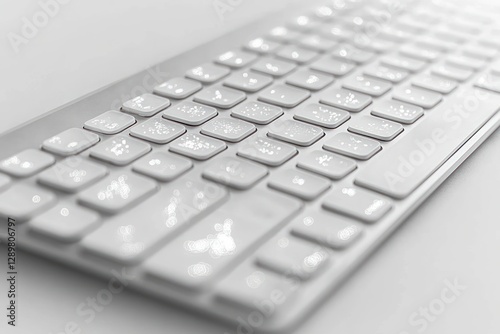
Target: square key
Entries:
(375, 127)
(248, 81)
(295, 132)
(4, 181)
(23, 201)
(299, 183)
(274, 67)
(177, 88)
(405, 63)
(146, 105)
(317, 43)
(157, 130)
(284, 95)
(71, 141)
(162, 166)
(328, 117)
(257, 112)
(110, 123)
(236, 59)
(366, 85)
(196, 146)
(309, 80)
(352, 145)
(328, 164)
(421, 97)
(120, 150)
(208, 73)
(220, 97)
(228, 129)
(283, 35)
(190, 113)
(348, 52)
(26, 163)
(397, 111)
(297, 54)
(386, 73)
(235, 172)
(332, 66)
(262, 46)
(266, 151)
(346, 99)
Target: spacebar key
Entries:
(400, 169)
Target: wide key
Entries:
(26, 163)
(266, 151)
(375, 127)
(22, 201)
(120, 150)
(295, 132)
(328, 164)
(71, 141)
(352, 145)
(110, 123)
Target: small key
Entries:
(284, 96)
(220, 97)
(146, 105)
(117, 192)
(437, 44)
(157, 130)
(421, 97)
(346, 99)
(295, 182)
(26, 163)
(397, 111)
(386, 73)
(348, 52)
(283, 35)
(162, 166)
(236, 59)
(208, 73)
(317, 114)
(452, 72)
(120, 150)
(262, 46)
(178, 88)
(196, 146)
(297, 54)
(328, 164)
(274, 67)
(248, 81)
(352, 145)
(404, 63)
(466, 62)
(420, 52)
(375, 127)
(234, 172)
(303, 23)
(110, 123)
(332, 66)
(317, 43)
(358, 203)
(266, 151)
(4, 181)
(309, 80)
(65, 222)
(435, 83)
(395, 34)
(190, 113)
(228, 129)
(325, 13)
(366, 85)
(489, 81)
(72, 174)
(295, 132)
(70, 142)
(257, 112)
(336, 32)
(22, 201)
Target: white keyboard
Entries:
(269, 164)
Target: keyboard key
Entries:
(283, 35)
(421, 97)
(70, 142)
(295, 182)
(336, 32)
(297, 54)
(358, 203)
(262, 46)
(295, 132)
(128, 237)
(284, 96)
(248, 81)
(257, 112)
(65, 222)
(199, 255)
(162, 166)
(437, 44)
(332, 66)
(328, 164)
(309, 80)
(316, 43)
(220, 97)
(377, 44)
(178, 88)
(375, 127)
(397, 111)
(117, 192)
(366, 85)
(236, 59)
(352, 145)
(208, 73)
(404, 63)
(386, 73)
(196, 146)
(348, 52)
(452, 72)
(228, 129)
(480, 51)
(110, 123)
(346, 99)
(22, 201)
(266, 151)
(466, 62)
(146, 105)
(489, 81)
(303, 23)
(72, 174)
(234, 172)
(190, 113)
(420, 52)
(120, 150)
(4, 181)
(328, 117)
(26, 163)
(437, 84)
(157, 130)
(274, 67)
(325, 13)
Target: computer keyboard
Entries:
(270, 163)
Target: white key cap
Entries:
(295, 132)
(438, 44)
(262, 46)
(348, 52)
(283, 34)
(346, 99)
(328, 117)
(21, 201)
(405, 63)
(266, 151)
(489, 81)
(65, 222)
(352, 145)
(228, 129)
(157, 130)
(358, 203)
(120, 150)
(117, 192)
(177, 88)
(328, 164)
(467, 62)
(480, 51)
(421, 97)
(162, 166)
(196, 146)
(72, 174)
(317, 43)
(284, 95)
(129, 237)
(257, 112)
(386, 73)
(146, 105)
(248, 81)
(375, 127)
(332, 66)
(366, 85)
(452, 72)
(190, 113)
(420, 52)
(397, 111)
(4, 181)
(110, 123)
(273, 66)
(234, 172)
(297, 54)
(236, 59)
(26, 163)
(336, 32)
(309, 80)
(220, 97)
(295, 182)
(208, 73)
(303, 23)
(435, 83)
(71, 141)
